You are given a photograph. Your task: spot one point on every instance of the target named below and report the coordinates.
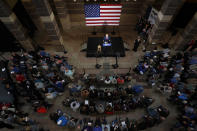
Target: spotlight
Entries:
(95, 0)
(74, 0)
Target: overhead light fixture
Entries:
(74, 0)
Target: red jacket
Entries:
(20, 78)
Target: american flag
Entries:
(102, 14)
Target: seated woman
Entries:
(84, 109)
(59, 86)
(69, 73)
(38, 83)
(20, 78)
(100, 108)
(113, 80)
(120, 80)
(84, 93)
(117, 107)
(92, 109)
(51, 95)
(109, 109)
(45, 66)
(107, 81)
(75, 105)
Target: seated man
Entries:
(51, 95)
(100, 108)
(107, 80)
(74, 105)
(39, 84)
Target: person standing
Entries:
(136, 44)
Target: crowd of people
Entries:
(108, 102)
(115, 92)
(154, 116)
(11, 117)
(39, 77)
(170, 74)
(90, 98)
(34, 76)
(143, 28)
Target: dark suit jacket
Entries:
(107, 39)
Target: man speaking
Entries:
(107, 39)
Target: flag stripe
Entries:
(110, 8)
(110, 5)
(110, 13)
(115, 11)
(101, 24)
(103, 17)
(115, 15)
(117, 21)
